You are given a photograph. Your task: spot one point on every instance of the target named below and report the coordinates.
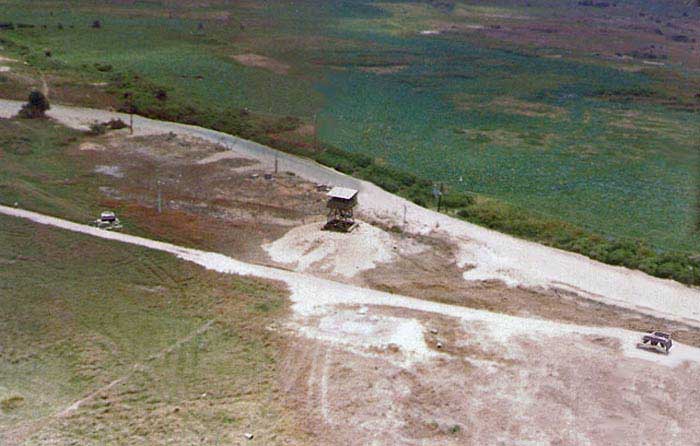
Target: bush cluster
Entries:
(36, 106)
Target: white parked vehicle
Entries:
(108, 220)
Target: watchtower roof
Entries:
(342, 193)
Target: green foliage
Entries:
(36, 171)
(103, 67)
(454, 200)
(625, 92)
(97, 128)
(36, 106)
(387, 177)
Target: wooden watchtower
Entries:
(341, 202)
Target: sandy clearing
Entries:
(7, 59)
(554, 393)
(400, 339)
(493, 255)
(4, 69)
(307, 248)
(313, 297)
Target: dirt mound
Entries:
(308, 248)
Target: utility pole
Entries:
(275, 164)
(160, 198)
(437, 193)
(130, 96)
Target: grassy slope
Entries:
(37, 173)
(79, 312)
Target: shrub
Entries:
(116, 124)
(97, 128)
(420, 201)
(454, 200)
(36, 106)
(11, 403)
(105, 68)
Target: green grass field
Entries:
(553, 134)
(80, 312)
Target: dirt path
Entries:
(493, 255)
(366, 368)
(313, 297)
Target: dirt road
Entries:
(493, 255)
(369, 367)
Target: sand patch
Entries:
(372, 335)
(4, 69)
(388, 69)
(219, 156)
(112, 171)
(308, 248)
(530, 109)
(511, 105)
(91, 146)
(7, 59)
(258, 61)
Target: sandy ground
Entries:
(489, 254)
(210, 197)
(307, 248)
(379, 368)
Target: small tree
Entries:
(35, 107)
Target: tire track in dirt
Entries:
(325, 410)
(20, 434)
